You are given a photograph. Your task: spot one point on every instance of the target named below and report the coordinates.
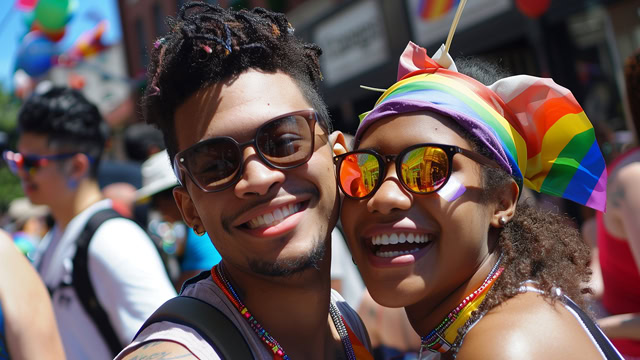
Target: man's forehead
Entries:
(232, 107)
(32, 142)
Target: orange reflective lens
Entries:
(421, 169)
(425, 169)
(359, 174)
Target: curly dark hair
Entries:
(536, 245)
(632, 80)
(69, 121)
(207, 44)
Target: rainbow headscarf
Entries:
(535, 128)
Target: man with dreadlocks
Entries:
(235, 95)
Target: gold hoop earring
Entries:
(197, 230)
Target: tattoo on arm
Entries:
(150, 345)
(159, 355)
(164, 355)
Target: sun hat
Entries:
(157, 176)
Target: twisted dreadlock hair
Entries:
(207, 44)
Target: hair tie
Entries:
(159, 42)
(206, 48)
(154, 91)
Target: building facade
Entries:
(581, 44)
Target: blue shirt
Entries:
(199, 253)
(4, 355)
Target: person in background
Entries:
(122, 196)
(28, 224)
(195, 253)
(618, 235)
(141, 141)
(27, 325)
(104, 282)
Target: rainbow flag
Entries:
(435, 9)
(536, 129)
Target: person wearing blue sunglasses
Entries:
(61, 140)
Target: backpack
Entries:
(199, 315)
(81, 282)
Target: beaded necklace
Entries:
(217, 273)
(442, 336)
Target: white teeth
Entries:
(268, 218)
(400, 238)
(388, 254)
(278, 214)
(393, 239)
(274, 217)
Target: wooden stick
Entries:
(454, 25)
(373, 89)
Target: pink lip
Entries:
(402, 260)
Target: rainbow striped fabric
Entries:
(534, 127)
(434, 9)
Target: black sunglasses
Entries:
(216, 164)
(421, 168)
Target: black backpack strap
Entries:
(203, 275)
(604, 344)
(82, 282)
(208, 321)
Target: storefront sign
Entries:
(352, 41)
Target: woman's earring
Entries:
(197, 230)
(502, 221)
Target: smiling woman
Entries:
(432, 216)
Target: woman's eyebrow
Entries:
(375, 148)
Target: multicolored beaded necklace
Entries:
(217, 273)
(441, 338)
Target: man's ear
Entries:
(79, 166)
(187, 207)
(338, 143)
(505, 208)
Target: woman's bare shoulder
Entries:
(528, 326)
